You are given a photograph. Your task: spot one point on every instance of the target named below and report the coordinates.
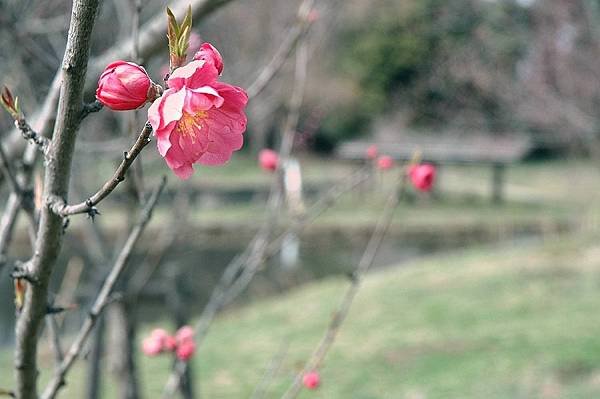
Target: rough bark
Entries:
(49, 237)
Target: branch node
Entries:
(20, 272)
(92, 212)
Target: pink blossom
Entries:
(372, 151)
(152, 346)
(422, 176)
(211, 55)
(170, 343)
(311, 380)
(125, 86)
(198, 119)
(185, 333)
(268, 159)
(185, 350)
(385, 162)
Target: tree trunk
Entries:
(123, 333)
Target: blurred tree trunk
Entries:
(94, 377)
(177, 308)
(123, 331)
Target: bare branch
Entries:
(341, 312)
(58, 167)
(286, 47)
(231, 282)
(271, 370)
(58, 205)
(151, 42)
(30, 135)
(104, 294)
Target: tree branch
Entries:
(151, 41)
(59, 156)
(286, 47)
(232, 282)
(58, 205)
(103, 296)
(341, 312)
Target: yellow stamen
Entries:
(189, 123)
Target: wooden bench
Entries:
(498, 152)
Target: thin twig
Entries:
(270, 372)
(223, 292)
(54, 339)
(32, 136)
(59, 207)
(366, 261)
(89, 108)
(252, 257)
(25, 199)
(286, 47)
(103, 296)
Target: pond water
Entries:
(201, 262)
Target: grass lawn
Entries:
(511, 322)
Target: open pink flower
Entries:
(372, 151)
(125, 86)
(211, 55)
(198, 119)
(268, 159)
(422, 176)
(385, 162)
(311, 380)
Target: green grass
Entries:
(513, 322)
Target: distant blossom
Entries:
(422, 176)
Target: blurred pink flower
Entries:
(185, 333)
(152, 346)
(125, 86)
(268, 159)
(198, 119)
(372, 151)
(211, 55)
(185, 350)
(169, 343)
(422, 176)
(311, 380)
(385, 162)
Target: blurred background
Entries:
(485, 287)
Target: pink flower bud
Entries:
(152, 346)
(125, 86)
(311, 380)
(372, 151)
(422, 176)
(385, 162)
(185, 350)
(268, 160)
(211, 55)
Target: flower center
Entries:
(190, 124)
